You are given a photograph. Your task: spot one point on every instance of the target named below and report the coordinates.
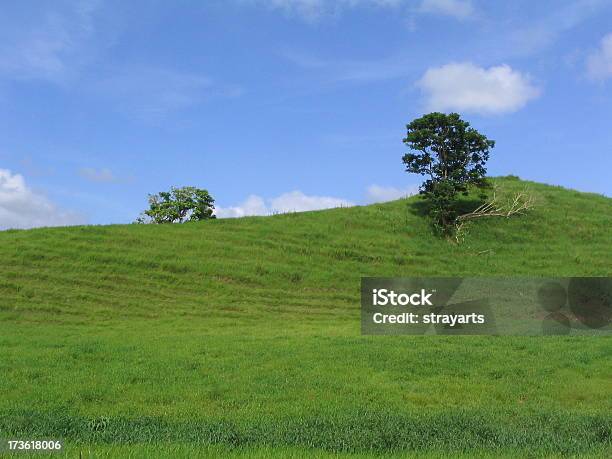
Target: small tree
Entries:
(452, 155)
(179, 205)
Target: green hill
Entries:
(242, 336)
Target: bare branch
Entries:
(517, 205)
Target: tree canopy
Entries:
(179, 205)
(451, 154)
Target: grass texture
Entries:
(241, 338)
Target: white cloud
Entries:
(103, 175)
(460, 9)
(20, 207)
(376, 193)
(64, 43)
(294, 201)
(46, 43)
(599, 63)
(466, 87)
(254, 205)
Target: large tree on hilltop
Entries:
(452, 155)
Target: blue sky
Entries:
(279, 105)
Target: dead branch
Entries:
(517, 205)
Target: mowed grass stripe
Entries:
(458, 431)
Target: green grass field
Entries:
(241, 338)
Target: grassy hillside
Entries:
(244, 336)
